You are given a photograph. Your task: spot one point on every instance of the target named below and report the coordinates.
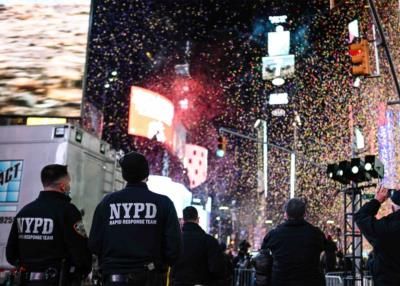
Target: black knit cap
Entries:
(395, 197)
(135, 167)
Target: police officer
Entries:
(135, 232)
(47, 239)
(202, 261)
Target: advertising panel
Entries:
(277, 66)
(196, 163)
(150, 115)
(10, 183)
(42, 56)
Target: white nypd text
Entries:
(132, 213)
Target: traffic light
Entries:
(359, 53)
(221, 147)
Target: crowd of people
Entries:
(137, 239)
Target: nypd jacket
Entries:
(135, 227)
(202, 260)
(45, 232)
(384, 235)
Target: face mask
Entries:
(67, 190)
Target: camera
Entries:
(391, 191)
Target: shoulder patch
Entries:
(80, 228)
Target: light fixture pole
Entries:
(296, 123)
(262, 150)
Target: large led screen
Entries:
(151, 115)
(42, 56)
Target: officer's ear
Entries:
(61, 186)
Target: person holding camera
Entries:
(384, 236)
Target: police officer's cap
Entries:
(135, 167)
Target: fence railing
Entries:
(341, 279)
(247, 277)
(244, 277)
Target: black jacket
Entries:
(45, 232)
(134, 227)
(202, 261)
(263, 266)
(384, 235)
(296, 246)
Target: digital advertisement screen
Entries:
(42, 56)
(151, 115)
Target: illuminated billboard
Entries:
(196, 163)
(277, 66)
(42, 56)
(151, 115)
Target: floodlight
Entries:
(331, 170)
(374, 167)
(342, 171)
(338, 172)
(358, 173)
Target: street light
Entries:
(262, 149)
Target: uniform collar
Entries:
(191, 226)
(136, 184)
(299, 221)
(54, 194)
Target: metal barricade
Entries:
(244, 277)
(340, 279)
(334, 279)
(368, 281)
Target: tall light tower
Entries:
(296, 124)
(262, 156)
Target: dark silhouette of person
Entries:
(201, 261)
(329, 257)
(384, 236)
(296, 246)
